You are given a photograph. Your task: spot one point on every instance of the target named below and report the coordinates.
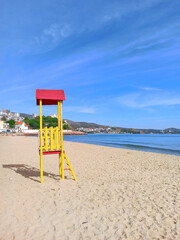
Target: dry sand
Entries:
(120, 194)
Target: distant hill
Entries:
(76, 125)
(172, 130)
(84, 124)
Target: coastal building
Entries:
(1, 124)
(4, 125)
(34, 115)
(15, 114)
(3, 113)
(53, 115)
(20, 126)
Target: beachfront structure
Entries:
(51, 139)
(53, 115)
(3, 125)
(20, 126)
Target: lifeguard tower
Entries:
(51, 139)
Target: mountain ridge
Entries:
(76, 125)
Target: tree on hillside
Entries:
(26, 120)
(46, 122)
(11, 123)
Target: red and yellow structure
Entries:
(51, 139)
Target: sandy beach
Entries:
(120, 194)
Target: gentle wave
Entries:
(150, 148)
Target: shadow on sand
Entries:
(29, 172)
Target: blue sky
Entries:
(118, 61)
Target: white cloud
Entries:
(119, 9)
(145, 99)
(57, 31)
(150, 88)
(62, 68)
(16, 88)
(49, 37)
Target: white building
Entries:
(14, 114)
(20, 126)
(3, 114)
(3, 125)
(53, 115)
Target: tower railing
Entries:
(51, 139)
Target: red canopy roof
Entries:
(49, 97)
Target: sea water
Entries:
(160, 143)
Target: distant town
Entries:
(7, 118)
(15, 122)
(29, 124)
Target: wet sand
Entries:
(120, 194)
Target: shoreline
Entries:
(143, 148)
(36, 134)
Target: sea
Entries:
(159, 143)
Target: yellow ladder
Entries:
(68, 164)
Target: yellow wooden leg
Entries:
(60, 124)
(41, 153)
(41, 165)
(60, 165)
(69, 166)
